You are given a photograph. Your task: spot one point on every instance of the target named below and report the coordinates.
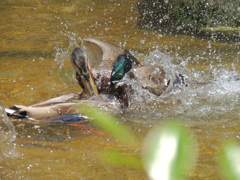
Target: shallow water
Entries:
(36, 40)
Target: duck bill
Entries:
(89, 85)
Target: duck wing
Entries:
(57, 109)
(52, 107)
(41, 112)
(102, 54)
(61, 99)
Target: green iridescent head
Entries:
(121, 66)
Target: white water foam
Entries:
(218, 98)
(7, 137)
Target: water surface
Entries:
(37, 38)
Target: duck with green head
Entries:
(99, 69)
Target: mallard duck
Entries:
(107, 64)
(99, 71)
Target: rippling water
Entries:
(37, 38)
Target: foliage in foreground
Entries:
(168, 152)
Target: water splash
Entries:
(215, 99)
(62, 67)
(7, 137)
(219, 98)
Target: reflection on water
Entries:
(36, 40)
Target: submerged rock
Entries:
(188, 16)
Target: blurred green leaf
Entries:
(230, 161)
(110, 125)
(168, 152)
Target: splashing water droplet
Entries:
(7, 136)
(218, 97)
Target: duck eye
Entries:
(121, 66)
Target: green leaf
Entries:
(168, 152)
(111, 125)
(230, 161)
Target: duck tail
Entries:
(16, 113)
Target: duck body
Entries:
(99, 69)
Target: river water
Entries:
(37, 38)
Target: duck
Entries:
(100, 68)
(107, 64)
